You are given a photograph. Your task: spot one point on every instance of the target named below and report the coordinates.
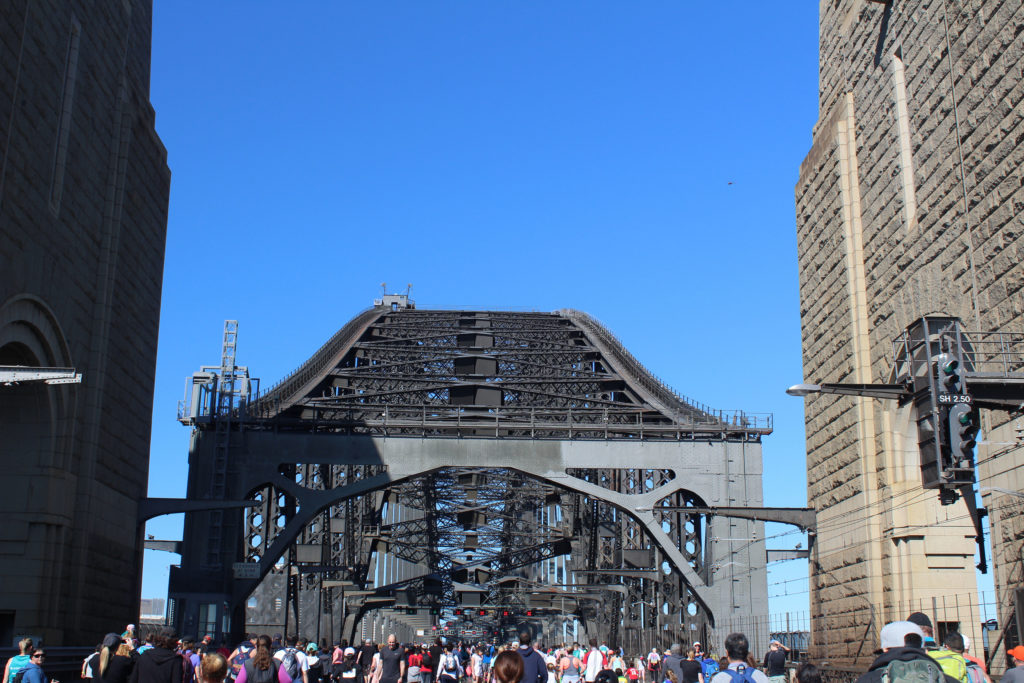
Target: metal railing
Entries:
(985, 354)
(658, 388)
(995, 354)
(295, 380)
(510, 422)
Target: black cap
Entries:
(921, 619)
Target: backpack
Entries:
(291, 663)
(742, 674)
(914, 671)
(709, 667)
(239, 660)
(953, 665)
(450, 664)
(17, 678)
(254, 675)
(974, 673)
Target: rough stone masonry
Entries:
(84, 189)
(892, 226)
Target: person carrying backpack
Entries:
(899, 662)
(737, 648)
(292, 660)
(241, 654)
(19, 661)
(448, 669)
(33, 671)
(951, 657)
(708, 666)
(260, 667)
(976, 671)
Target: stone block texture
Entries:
(891, 226)
(84, 187)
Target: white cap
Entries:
(967, 643)
(895, 633)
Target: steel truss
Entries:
(435, 459)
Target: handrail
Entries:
(298, 377)
(641, 374)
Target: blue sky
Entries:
(635, 161)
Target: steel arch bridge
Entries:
(518, 467)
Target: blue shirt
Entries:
(34, 674)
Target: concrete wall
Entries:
(884, 238)
(83, 212)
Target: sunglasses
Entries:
(40, 655)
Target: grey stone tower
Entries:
(84, 189)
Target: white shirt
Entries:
(594, 659)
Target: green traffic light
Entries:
(965, 419)
(950, 367)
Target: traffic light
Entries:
(529, 612)
(949, 376)
(963, 427)
(505, 613)
(482, 613)
(435, 611)
(457, 612)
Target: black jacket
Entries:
(903, 654)
(158, 665)
(119, 670)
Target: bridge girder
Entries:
(545, 420)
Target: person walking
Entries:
(162, 663)
(507, 667)
(951, 656)
(20, 660)
(449, 668)
(775, 662)
(116, 661)
(570, 667)
(33, 671)
(672, 662)
(737, 649)
(653, 667)
(213, 668)
(691, 668)
(593, 662)
(899, 658)
(392, 662)
(261, 667)
(535, 670)
(1015, 674)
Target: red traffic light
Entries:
(483, 613)
(457, 612)
(529, 612)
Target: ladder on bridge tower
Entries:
(232, 390)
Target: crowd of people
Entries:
(908, 653)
